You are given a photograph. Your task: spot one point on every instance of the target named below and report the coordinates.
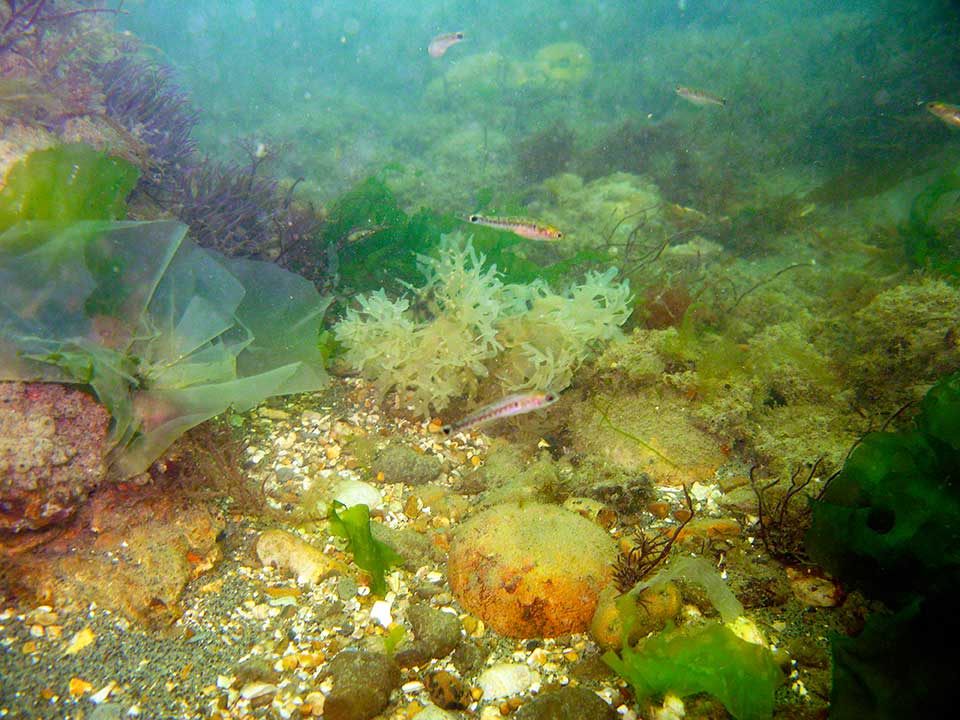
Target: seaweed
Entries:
(711, 659)
(165, 333)
(888, 526)
(925, 244)
(66, 184)
(634, 566)
(353, 523)
(142, 98)
(784, 523)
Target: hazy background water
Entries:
(344, 89)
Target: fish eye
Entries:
(551, 397)
(474, 218)
(559, 234)
(459, 36)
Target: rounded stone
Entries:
(655, 608)
(569, 703)
(531, 569)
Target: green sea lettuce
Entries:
(166, 334)
(710, 658)
(353, 523)
(67, 183)
(888, 526)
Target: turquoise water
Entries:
(348, 89)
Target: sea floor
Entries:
(156, 602)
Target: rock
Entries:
(448, 691)
(530, 570)
(415, 548)
(655, 607)
(132, 551)
(468, 658)
(436, 635)
(505, 680)
(52, 446)
(289, 553)
(256, 669)
(432, 712)
(362, 683)
(400, 463)
(814, 589)
(569, 703)
(356, 492)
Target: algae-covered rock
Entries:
(906, 336)
(400, 463)
(362, 683)
(435, 635)
(569, 703)
(530, 570)
(580, 208)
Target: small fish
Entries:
(511, 405)
(700, 97)
(950, 114)
(360, 234)
(518, 226)
(441, 43)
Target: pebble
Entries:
(257, 689)
(505, 680)
(432, 712)
(362, 683)
(289, 553)
(357, 492)
(273, 413)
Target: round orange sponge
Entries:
(530, 570)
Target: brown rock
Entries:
(530, 570)
(52, 443)
(131, 552)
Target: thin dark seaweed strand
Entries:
(231, 209)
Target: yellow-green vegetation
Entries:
(65, 184)
(468, 333)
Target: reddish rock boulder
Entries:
(52, 445)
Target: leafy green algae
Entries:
(353, 523)
(889, 525)
(65, 184)
(709, 658)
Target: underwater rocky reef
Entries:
(355, 365)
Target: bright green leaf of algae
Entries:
(353, 523)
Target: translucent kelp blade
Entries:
(194, 304)
(283, 313)
(166, 414)
(60, 284)
(165, 333)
